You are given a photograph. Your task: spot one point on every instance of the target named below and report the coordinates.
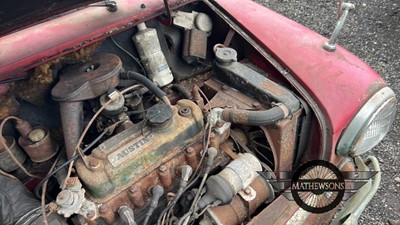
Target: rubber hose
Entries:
(131, 75)
(183, 91)
(253, 118)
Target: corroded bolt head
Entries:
(71, 182)
(190, 150)
(103, 208)
(256, 105)
(94, 163)
(219, 123)
(163, 168)
(247, 191)
(90, 215)
(213, 135)
(132, 190)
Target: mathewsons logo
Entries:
(318, 186)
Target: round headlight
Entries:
(370, 125)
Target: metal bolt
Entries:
(247, 191)
(212, 135)
(220, 123)
(205, 111)
(162, 168)
(136, 196)
(90, 215)
(256, 105)
(103, 209)
(61, 196)
(132, 189)
(102, 147)
(94, 163)
(184, 111)
(53, 207)
(70, 182)
(190, 150)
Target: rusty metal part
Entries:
(81, 82)
(281, 136)
(191, 157)
(133, 153)
(6, 162)
(39, 145)
(282, 140)
(197, 97)
(226, 97)
(225, 147)
(23, 127)
(277, 213)
(194, 46)
(72, 181)
(239, 209)
(136, 196)
(214, 142)
(88, 80)
(185, 111)
(71, 118)
(107, 214)
(165, 176)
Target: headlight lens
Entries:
(370, 125)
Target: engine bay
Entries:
(169, 122)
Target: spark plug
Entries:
(157, 192)
(126, 215)
(186, 172)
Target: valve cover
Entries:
(130, 155)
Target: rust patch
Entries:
(282, 139)
(239, 209)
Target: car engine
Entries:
(159, 124)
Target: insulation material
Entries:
(36, 89)
(9, 106)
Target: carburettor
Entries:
(135, 154)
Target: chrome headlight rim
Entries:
(362, 120)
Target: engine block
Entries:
(137, 152)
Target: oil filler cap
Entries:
(159, 114)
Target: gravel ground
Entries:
(372, 32)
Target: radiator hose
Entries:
(255, 118)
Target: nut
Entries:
(162, 168)
(90, 215)
(103, 209)
(94, 163)
(185, 111)
(247, 191)
(190, 150)
(219, 123)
